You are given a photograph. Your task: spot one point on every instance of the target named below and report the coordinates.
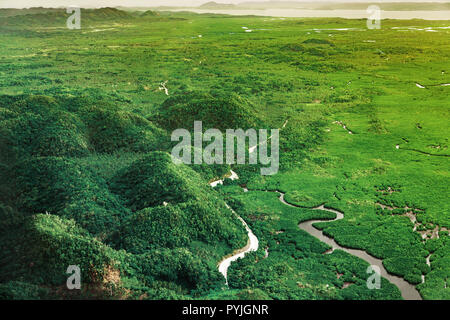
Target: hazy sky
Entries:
(150, 3)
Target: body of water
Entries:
(349, 14)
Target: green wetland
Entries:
(86, 176)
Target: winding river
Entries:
(408, 291)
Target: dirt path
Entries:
(428, 264)
(252, 243)
(432, 85)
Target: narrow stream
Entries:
(407, 290)
(252, 243)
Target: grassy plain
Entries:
(319, 74)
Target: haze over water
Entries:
(349, 14)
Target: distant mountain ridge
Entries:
(58, 16)
(215, 5)
(323, 5)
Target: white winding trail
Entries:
(408, 291)
(252, 149)
(428, 264)
(233, 176)
(433, 85)
(343, 126)
(252, 243)
(162, 86)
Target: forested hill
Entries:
(83, 183)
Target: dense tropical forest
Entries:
(86, 176)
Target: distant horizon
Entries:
(22, 4)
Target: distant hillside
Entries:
(149, 13)
(215, 5)
(45, 16)
(110, 13)
(57, 17)
(16, 12)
